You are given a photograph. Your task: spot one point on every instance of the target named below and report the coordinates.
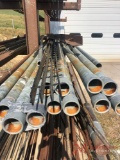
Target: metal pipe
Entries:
(4, 76)
(92, 83)
(16, 90)
(100, 103)
(93, 60)
(66, 86)
(10, 82)
(100, 148)
(70, 105)
(109, 86)
(14, 122)
(54, 107)
(115, 103)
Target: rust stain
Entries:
(71, 110)
(64, 92)
(3, 113)
(95, 89)
(96, 70)
(14, 127)
(36, 120)
(101, 108)
(55, 109)
(109, 91)
(47, 92)
(118, 110)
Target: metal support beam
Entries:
(47, 23)
(31, 21)
(42, 5)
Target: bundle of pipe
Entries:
(101, 103)
(17, 88)
(109, 86)
(11, 81)
(92, 83)
(14, 121)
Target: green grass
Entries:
(12, 24)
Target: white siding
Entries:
(96, 16)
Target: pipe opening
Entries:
(12, 126)
(118, 108)
(71, 108)
(99, 65)
(54, 107)
(47, 89)
(109, 88)
(102, 106)
(3, 111)
(95, 86)
(102, 150)
(64, 89)
(35, 119)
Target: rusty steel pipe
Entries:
(92, 83)
(100, 103)
(16, 90)
(10, 82)
(4, 76)
(93, 60)
(109, 86)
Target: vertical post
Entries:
(47, 24)
(31, 23)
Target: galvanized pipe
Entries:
(16, 90)
(70, 105)
(14, 122)
(93, 60)
(100, 103)
(109, 86)
(54, 107)
(115, 103)
(92, 83)
(10, 82)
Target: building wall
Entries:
(95, 16)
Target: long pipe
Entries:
(93, 60)
(100, 103)
(109, 86)
(9, 72)
(100, 148)
(16, 90)
(10, 82)
(70, 105)
(115, 103)
(92, 83)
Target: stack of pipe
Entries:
(101, 89)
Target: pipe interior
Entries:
(118, 108)
(12, 125)
(47, 89)
(98, 65)
(54, 107)
(102, 106)
(64, 89)
(71, 108)
(35, 119)
(109, 88)
(95, 86)
(3, 111)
